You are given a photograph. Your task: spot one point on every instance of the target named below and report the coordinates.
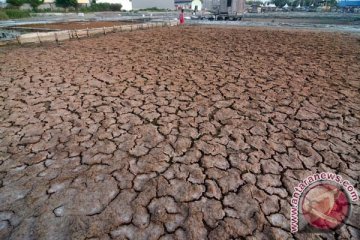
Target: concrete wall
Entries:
(25, 6)
(163, 4)
(65, 35)
(47, 5)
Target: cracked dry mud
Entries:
(175, 133)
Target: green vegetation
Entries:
(304, 3)
(251, 3)
(67, 3)
(15, 3)
(102, 7)
(35, 3)
(3, 15)
(280, 3)
(13, 13)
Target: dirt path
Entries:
(172, 133)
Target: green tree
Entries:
(295, 3)
(306, 3)
(254, 2)
(331, 3)
(280, 3)
(35, 3)
(15, 3)
(67, 3)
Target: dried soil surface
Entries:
(175, 133)
(77, 25)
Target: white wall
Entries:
(196, 3)
(126, 4)
(163, 4)
(25, 6)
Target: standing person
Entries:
(182, 17)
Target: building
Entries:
(161, 4)
(126, 4)
(211, 5)
(232, 6)
(2, 3)
(195, 5)
(269, 7)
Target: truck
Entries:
(228, 10)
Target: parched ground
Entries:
(175, 133)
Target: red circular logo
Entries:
(325, 206)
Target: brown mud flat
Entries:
(78, 25)
(175, 133)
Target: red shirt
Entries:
(182, 18)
